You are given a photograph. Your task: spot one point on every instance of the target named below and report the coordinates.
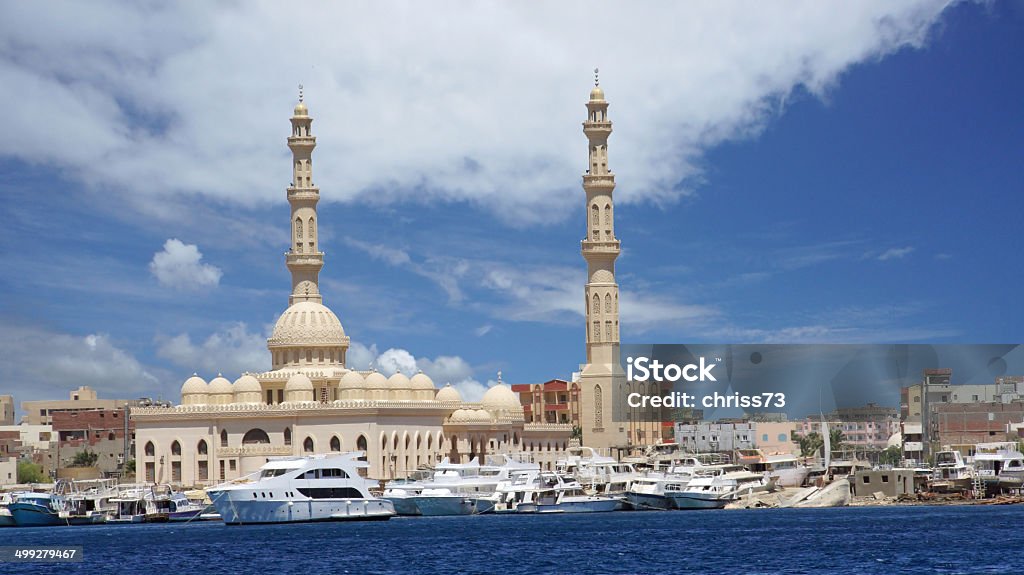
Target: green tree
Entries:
(85, 458)
(836, 438)
(29, 472)
(891, 455)
(810, 443)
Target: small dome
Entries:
(247, 384)
(194, 385)
(308, 323)
(421, 381)
(220, 385)
(298, 382)
(376, 380)
(300, 109)
(352, 380)
(597, 93)
(500, 397)
(461, 416)
(398, 380)
(448, 393)
(480, 416)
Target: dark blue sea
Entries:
(959, 539)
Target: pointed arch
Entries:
(287, 436)
(311, 230)
(335, 443)
(608, 303)
(596, 307)
(256, 435)
(595, 218)
(150, 449)
(176, 448)
(308, 446)
(298, 228)
(607, 214)
(223, 438)
(202, 448)
(598, 406)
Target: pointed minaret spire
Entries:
(602, 378)
(304, 258)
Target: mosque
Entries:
(312, 402)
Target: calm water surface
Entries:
(837, 541)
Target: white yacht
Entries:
(90, 501)
(999, 463)
(716, 491)
(460, 488)
(298, 489)
(951, 473)
(654, 489)
(554, 493)
(597, 473)
(785, 469)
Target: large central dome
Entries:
(308, 323)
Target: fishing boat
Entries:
(6, 519)
(39, 509)
(301, 489)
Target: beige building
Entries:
(602, 378)
(8, 471)
(82, 399)
(311, 402)
(6, 410)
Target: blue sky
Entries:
(831, 174)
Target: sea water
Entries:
(948, 539)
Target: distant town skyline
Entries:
(834, 174)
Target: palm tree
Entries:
(810, 443)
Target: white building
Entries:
(311, 402)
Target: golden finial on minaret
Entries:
(300, 90)
(597, 81)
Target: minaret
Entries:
(304, 259)
(602, 378)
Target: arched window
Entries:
(298, 227)
(608, 303)
(287, 436)
(307, 445)
(312, 229)
(596, 308)
(419, 441)
(223, 438)
(607, 214)
(595, 219)
(597, 331)
(175, 447)
(255, 436)
(430, 442)
(598, 406)
(150, 449)
(202, 448)
(335, 443)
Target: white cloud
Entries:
(445, 273)
(42, 364)
(232, 351)
(472, 390)
(483, 330)
(180, 266)
(476, 102)
(895, 253)
(360, 357)
(443, 369)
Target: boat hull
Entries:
(448, 505)
(28, 515)
(685, 501)
(591, 506)
(404, 506)
(648, 502)
(244, 512)
(6, 519)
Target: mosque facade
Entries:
(312, 402)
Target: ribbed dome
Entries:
(421, 381)
(308, 323)
(461, 416)
(448, 393)
(352, 380)
(247, 384)
(376, 381)
(219, 385)
(298, 382)
(398, 380)
(194, 385)
(500, 397)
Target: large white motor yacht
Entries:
(715, 491)
(298, 489)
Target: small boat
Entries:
(598, 473)
(951, 474)
(6, 519)
(1000, 465)
(716, 491)
(560, 494)
(301, 489)
(39, 510)
(90, 501)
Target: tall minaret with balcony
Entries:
(602, 378)
(304, 259)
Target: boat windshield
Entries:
(272, 473)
